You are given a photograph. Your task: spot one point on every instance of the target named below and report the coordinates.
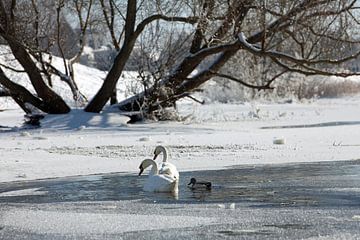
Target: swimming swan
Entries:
(158, 182)
(166, 167)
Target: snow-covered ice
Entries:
(215, 136)
(212, 136)
(68, 222)
(23, 192)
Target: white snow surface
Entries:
(24, 192)
(213, 136)
(88, 223)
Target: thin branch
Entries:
(117, 9)
(311, 71)
(146, 21)
(196, 100)
(258, 87)
(260, 52)
(110, 22)
(12, 69)
(58, 37)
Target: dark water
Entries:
(323, 184)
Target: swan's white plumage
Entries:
(158, 182)
(161, 183)
(166, 167)
(169, 169)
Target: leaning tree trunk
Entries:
(21, 95)
(131, 34)
(54, 103)
(113, 98)
(179, 85)
(107, 89)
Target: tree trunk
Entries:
(178, 83)
(4, 93)
(54, 103)
(107, 89)
(113, 99)
(21, 95)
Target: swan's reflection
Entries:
(162, 196)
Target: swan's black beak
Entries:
(155, 156)
(141, 170)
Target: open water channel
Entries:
(300, 201)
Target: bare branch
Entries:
(58, 37)
(110, 21)
(311, 71)
(11, 68)
(141, 26)
(261, 87)
(260, 52)
(196, 100)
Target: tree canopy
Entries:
(179, 44)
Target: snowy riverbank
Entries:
(215, 136)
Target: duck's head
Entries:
(192, 181)
(144, 164)
(159, 149)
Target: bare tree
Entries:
(276, 30)
(50, 101)
(82, 10)
(310, 37)
(111, 11)
(131, 34)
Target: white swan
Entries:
(166, 167)
(158, 182)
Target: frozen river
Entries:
(313, 200)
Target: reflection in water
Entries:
(314, 184)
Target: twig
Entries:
(196, 100)
(259, 87)
(11, 68)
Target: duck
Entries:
(203, 185)
(165, 167)
(158, 182)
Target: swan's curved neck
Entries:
(154, 169)
(164, 152)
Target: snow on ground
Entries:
(24, 192)
(85, 223)
(213, 136)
